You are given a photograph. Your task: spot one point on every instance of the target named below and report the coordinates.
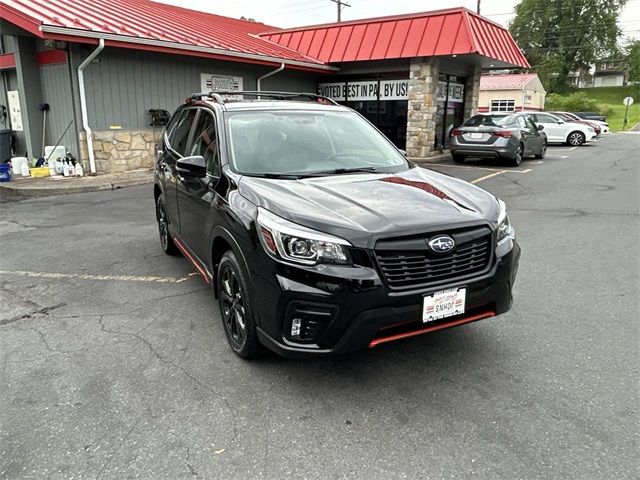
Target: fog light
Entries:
(296, 325)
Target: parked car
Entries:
(511, 136)
(317, 234)
(603, 125)
(591, 116)
(570, 117)
(559, 131)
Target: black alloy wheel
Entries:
(235, 307)
(517, 156)
(166, 242)
(543, 151)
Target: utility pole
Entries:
(478, 9)
(340, 4)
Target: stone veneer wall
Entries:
(421, 121)
(472, 92)
(118, 151)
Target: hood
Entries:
(363, 207)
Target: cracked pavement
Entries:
(106, 379)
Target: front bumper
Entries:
(363, 313)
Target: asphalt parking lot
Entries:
(115, 365)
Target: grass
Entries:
(612, 97)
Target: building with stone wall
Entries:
(414, 76)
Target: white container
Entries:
(51, 153)
(16, 164)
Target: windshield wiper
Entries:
(338, 171)
(285, 176)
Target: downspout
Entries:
(83, 104)
(277, 70)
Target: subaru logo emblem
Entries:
(441, 244)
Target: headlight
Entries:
(503, 221)
(284, 240)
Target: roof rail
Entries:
(219, 95)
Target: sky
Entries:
(294, 13)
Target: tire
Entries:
(576, 138)
(166, 242)
(458, 158)
(517, 156)
(236, 307)
(543, 151)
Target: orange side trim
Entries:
(391, 338)
(201, 270)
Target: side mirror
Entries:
(193, 166)
(560, 122)
(403, 152)
(540, 127)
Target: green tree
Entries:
(561, 36)
(633, 60)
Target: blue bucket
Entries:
(5, 172)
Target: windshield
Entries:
(488, 121)
(304, 142)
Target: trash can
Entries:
(5, 172)
(5, 145)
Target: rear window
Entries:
(488, 121)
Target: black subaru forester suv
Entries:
(317, 234)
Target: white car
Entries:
(559, 131)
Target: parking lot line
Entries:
(487, 177)
(85, 276)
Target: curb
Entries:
(435, 159)
(13, 191)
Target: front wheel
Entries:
(166, 242)
(575, 139)
(543, 151)
(236, 309)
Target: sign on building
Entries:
(211, 82)
(389, 90)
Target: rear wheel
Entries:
(458, 158)
(517, 156)
(236, 307)
(166, 242)
(575, 139)
(543, 151)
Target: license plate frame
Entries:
(444, 304)
(476, 136)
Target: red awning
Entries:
(147, 25)
(444, 32)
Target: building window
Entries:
(503, 105)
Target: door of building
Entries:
(449, 107)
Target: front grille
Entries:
(410, 269)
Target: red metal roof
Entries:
(509, 81)
(455, 31)
(147, 25)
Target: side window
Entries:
(180, 135)
(531, 123)
(205, 142)
(521, 122)
(545, 118)
(172, 123)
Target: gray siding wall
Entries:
(124, 84)
(56, 91)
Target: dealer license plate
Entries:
(443, 304)
(476, 135)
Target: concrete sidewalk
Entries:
(46, 186)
